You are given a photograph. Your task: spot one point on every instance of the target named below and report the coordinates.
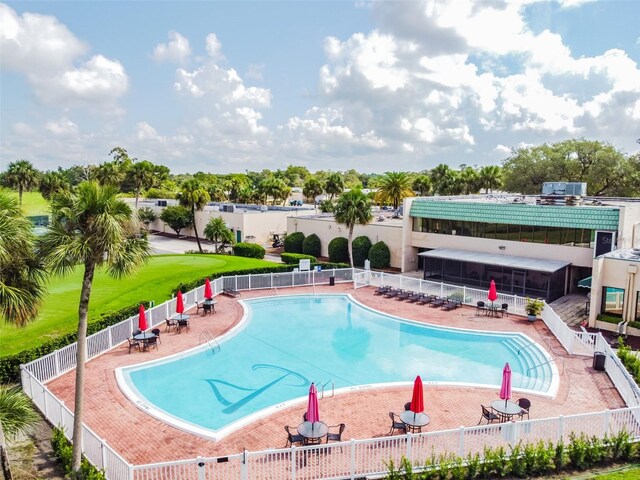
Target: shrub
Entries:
(311, 245)
(630, 361)
(339, 250)
(360, 249)
(63, 451)
(159, 193)
(379, 255)
(249, 250)
(10, 365)
(294, 258)
(293, 243)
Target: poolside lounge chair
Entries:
(415, 297)
(404, 295)
(396, 424)
(230, 292)
(393, 292)
(426, 299)
(382, 289)
(438, 302)
(451, 305)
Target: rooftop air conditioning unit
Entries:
(161, 203)
(264, 208)
(231, 208)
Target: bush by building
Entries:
(360, 248)
(311, 245)
(379, 255)
(293, 242)
(249, 250)
(339, 250)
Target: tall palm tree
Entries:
(312, 188)
(393, 187)
(353, 209)
(216, 231)
(90, 227)
(141, 176)
(194, 196)
(334, 185)
(22, 175)
(469, 180)
(490, 177)
(17, 416)
(22, 273)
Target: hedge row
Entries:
(249, 250)
(339, 250)
(630, 361)
(360, 248)
(10, 365)
(294, 258)
(311, 245)
(605, 317)
(523, 460)
(63, 450)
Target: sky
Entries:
(230, 86)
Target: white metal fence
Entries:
(339, 460)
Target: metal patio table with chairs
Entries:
(145, 338)
(313, 432)
(414, 421)
(505, 409)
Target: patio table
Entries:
(313, 431)
(506, 410)
(414, 421)
(144, 337)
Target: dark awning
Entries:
(524, 263)
(585, 282)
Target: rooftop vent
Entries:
(564, 188)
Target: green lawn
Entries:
(154, 281)
(32, 203)
(625, 474)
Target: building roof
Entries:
(590, 217)
(629, 254)
(524, 263)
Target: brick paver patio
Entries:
(142, 439)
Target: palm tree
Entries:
(353, 209)
(53, 182)
(312, 188)
(490, 177)
(469, 180)
(141, 176)
(17, 416)
(393, 187)
(334, 185)
(90, 227)
(422, 185)
(217, 231)
(147, 216)
(22, 273)
(194, 196)
(22, 175)
(109, 173)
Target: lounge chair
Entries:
(437, 303)
(451, 305)
(393, 292)
(426, 299)
(230, 292)
(404, 295)
(415, 297)
(381, 290)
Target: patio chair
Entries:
(396, 424)
(207, 309)
(336, 437)
(293, 438)
(230, 292)
(171, 323)
(156, 332)
(525, 405)
(504, 308)
(183, 323)
(152, 342)
(136, 332)
(480, 307)
(133, 344)
(488, 415)
(407, 406)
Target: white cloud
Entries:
(573, 3)
(177, 50)
(62, 127)
(50, 56)
(214, 47)
(502, 149)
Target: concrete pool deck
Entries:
(142, 439)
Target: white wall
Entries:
(617, 273)
(327, 229)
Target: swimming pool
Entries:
(284, 343)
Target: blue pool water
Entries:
(288, 342)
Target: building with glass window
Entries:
(530, 246)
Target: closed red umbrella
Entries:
(208, 293)
(505, 388)
(493, 292)
(142, 319)
(313, 412)
(179, 303)
(417, 400)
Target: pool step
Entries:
(536, 376)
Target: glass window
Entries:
(502, 231)
(526, 233)
(540, 234)
(417, 224)
(612, 301)
(490, 230)
(514, 233)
